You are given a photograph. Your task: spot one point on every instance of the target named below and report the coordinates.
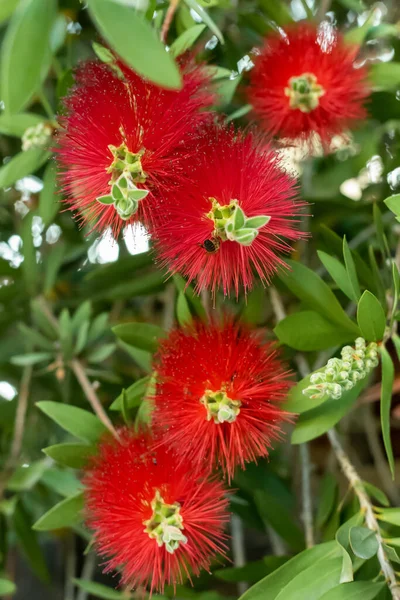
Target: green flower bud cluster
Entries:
(232, 224)
(37, 136)
(165, 524)
(342, 374)
(126, 170)
(304, 92)
(220, 407)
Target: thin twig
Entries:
(238, 551)
(307, 515)
(367, 509)
(89, 567)
(303, 368)
(91, 395)
(173, 5)
(323, 9)
(20, 416)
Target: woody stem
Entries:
(173, 5)
(366, 507)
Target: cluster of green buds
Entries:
(165, 524)
(37, 136)
(304, 92)
(342, 374)
(126, 170)
(220, 407)
(230, 223)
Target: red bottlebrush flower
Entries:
(152, 519)
(233, 215)
(218, 395)
(304, 83)
(123, 137)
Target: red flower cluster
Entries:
(234, 216)
(219, 390)
(123, 139)
(153, 521)
(304, 82)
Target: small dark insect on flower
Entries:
(211, 245)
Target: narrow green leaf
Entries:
(16, 125)
(7, 588)
(376, 493)
(308, 331)
(363, 542)
(49, 202)
(65, 334)
(393, 202)
(186, 40)
(241, 112)
(7, 7)
(81, 338)
(134, 394)
(351, 271)
(343, 539)
(389, 515)
(70, 455)
(385, 75)
(99, 590)
(317, 421)
(371, 317)
(33, 358)
(313, 291)
(21, 165)
(25, 478)
(380, 233)
(25, 52)
(355, 590)
(35, 338)
(81, 423)
(269, 587)
(133, 38)
(62, 481)
(102, 353)
(328, 495)
(314, 581)
(205, 17)
(144, 336)
(377, 278)
(386, 401)
(64, 514)
(183, 313)
(28, 541)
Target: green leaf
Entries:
(389, 515)
(191, 297)
(33, 358)
(141, 357)
(251, 571)
(371, 317)
(241, 112)
(64, 514)
(49, 202)
(82, 337)
(28, 541)
(186, 40)
(25, 52)
(328, 494)
(136, 42)
(183, 313)
(376, 493)
(384, 76)
(355, 590)
(313, 582)
(29, 266)
(297, 402)
(81, 423)
(391, 554)
(7, 7)
(16, 125)
(22, 164)
(144, 336)
(313, 291)
(343, 539)
(380, 232)
(65, 334)
(7, 588)
(99, 590)
(269, 587)
(205, 17)
(317, 421)
(386, 401)
(308, 331)
(393, 203)
(102, 353)
(351, 271)
(25, 478)
(134, 394)
(363, 542)
(70, 455)
(35, 338)
(62, 481)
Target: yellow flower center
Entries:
(220, 407)
(304, 92)
(165, 524)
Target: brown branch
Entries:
(20, 416)
(91, 395)
(173, 5)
